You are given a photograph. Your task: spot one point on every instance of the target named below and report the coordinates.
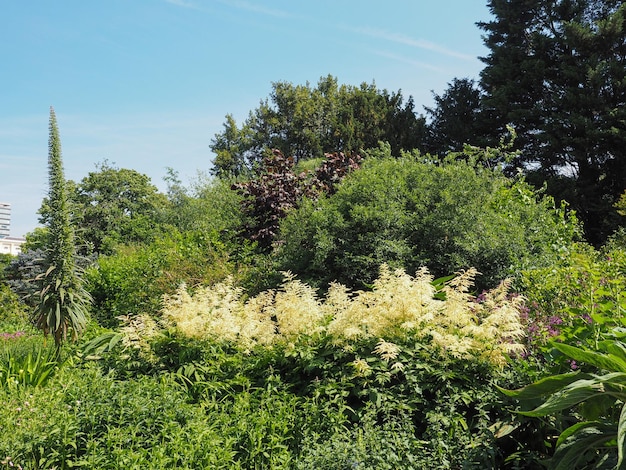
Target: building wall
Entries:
(11, 245)
(5, 219)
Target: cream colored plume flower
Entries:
(398, 307)
(361, 367)
(386, 350)
(297, 309)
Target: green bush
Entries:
(133, 280)
(576, 301)
(87, 420)
(208, 206)
(12, 311)
(411, 212)
(367, 446)
(406, 352)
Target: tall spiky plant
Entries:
(63, 302)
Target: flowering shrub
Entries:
(576, 302)
(398, 306)
(12, 336)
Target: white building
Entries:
(5, 219)
(11, 245)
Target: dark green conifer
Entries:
(556, 71)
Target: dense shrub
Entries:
(133, 280)
(399, 306)
(575, 301)
(12, 311)
(411, 212)
(209, 205)
(86, 420)
(407, 369)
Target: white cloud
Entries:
(412, 42)
(248, 6)
(406, 60)
(183, 3)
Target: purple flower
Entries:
(11, 336)
(554, 320)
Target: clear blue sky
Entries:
(146, 84)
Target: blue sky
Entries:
(146, 84)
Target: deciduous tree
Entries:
(307, 122)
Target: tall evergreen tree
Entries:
(557, 72)
(63, 301)
(456, 118)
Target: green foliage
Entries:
(456, 119)
(367, 447)
(113, 206)
(411, 212)
(62, 301)
(209, 205)
(167, 401)
(87, 420)
(306, 122)
(22, 272)
(577, 300)
(26, 363)
(12, 311)
(277, 189)
(133, 280)
(555, 72)
(596, 439)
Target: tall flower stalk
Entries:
(63, 301)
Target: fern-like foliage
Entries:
(398, 306)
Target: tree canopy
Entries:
(116, 204)
(413, 212)
(306, 122)
(556, 71)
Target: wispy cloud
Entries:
(252, 7)
(406, 60)
(412, 42)
(183, 3)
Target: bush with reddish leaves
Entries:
(277, 188)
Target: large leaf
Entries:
(615, 348)
(545, 386)
(574, 449)
(100, 345)
(608, 362)
(621, 440)
(575, 393)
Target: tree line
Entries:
(555, 74)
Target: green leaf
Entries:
(621, 440)
(615, 348)
(596, 407)
(544, 386)
(574, 393)
(608, 362)
(573, 449)
(575, 428)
